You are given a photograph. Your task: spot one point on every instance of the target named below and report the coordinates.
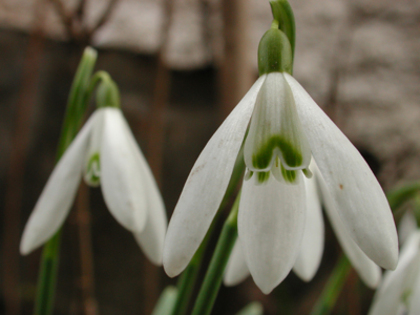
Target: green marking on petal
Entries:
(93, 173)
(289, 176)
(406, 296)
(263, 177)
(291, 156)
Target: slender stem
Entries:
(48, 276)
(188, 278)
(214, 275)
(331, 292)
(76, 108)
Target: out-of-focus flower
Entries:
(310, 253)
(399, 292)
(107, 153)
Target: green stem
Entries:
(47, 277)
(331, 292)
(76, 108)
(188, 278)
(214, 275)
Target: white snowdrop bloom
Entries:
(311, 248)
(399, 292)
(107, 153)
(271, 216)
(286, 128)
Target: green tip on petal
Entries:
(290, 155)
(289, 176)
(263, 177)
(307, 172)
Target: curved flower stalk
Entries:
(311, 248)
(286, 129)
(399, 292)
(106, 152)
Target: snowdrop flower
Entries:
(286, 128)
(107, 153)
(311, 248)
(399, 292)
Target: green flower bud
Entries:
(107, 94)
(274, 52)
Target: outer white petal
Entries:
(275, 129)
(414, 304)
(388, 298)
(236, 269)
(121, 174)
(359, 198)
(368, 271)
(206, 186)
(57, 197)
(152, 238)
(312, 247)
(271, 221)
(406, 226)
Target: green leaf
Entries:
(399, 196)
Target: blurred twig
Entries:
(15, 176)
(86, 256)
(236, 72)
(74, 21)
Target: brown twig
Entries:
(236, 75)
(18, 153)
(86, 256)
(105, 16)
(66, 17)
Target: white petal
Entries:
(359, 198)
(414, 308)
(275, 129)
(152, 238)
(271, 221)
(406, 226)
(121, 174)
(57, 197)
(312, 246)
(389, 298)
(236, 269)
(206, 186)
(368, 271)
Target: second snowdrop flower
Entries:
(106, 152)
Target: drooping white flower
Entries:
(106, 152)
(399, 292)
(271, 216)
(311, 248)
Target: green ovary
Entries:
(291, 156)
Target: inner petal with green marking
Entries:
(93, 171)
(275, 129)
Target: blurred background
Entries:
(181, 66)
